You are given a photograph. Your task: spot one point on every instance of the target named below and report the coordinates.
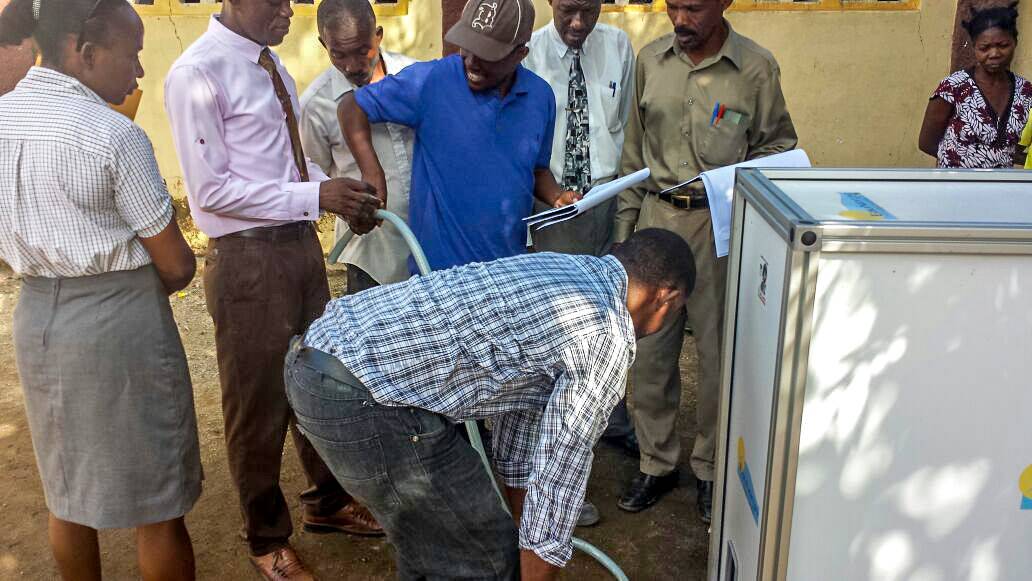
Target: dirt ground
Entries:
(666, 542)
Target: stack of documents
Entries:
(720, 189)
(593, 198)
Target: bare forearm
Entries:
(532, 567)
(358, 134)
(546, 188)
(515, 497)
(172, 257)
(937, 116)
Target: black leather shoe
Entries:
(704, 500)
(627, 444)
(646, 490)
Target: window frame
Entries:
(178, 8)
(776, 6)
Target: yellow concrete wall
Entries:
(1023, 60)
(856, 81)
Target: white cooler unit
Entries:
(876, 418)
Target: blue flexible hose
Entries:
(471, 426)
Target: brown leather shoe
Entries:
(353, 519)
(282, 565)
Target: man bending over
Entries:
(540, 343)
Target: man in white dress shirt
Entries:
(348, 31)
(232, 105)
(590, 68)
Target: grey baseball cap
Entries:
(492, 29)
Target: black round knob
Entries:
(809, 238)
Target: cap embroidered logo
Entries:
(486, 13)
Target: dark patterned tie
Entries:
(266, 62)
(577, 163)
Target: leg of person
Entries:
(75, 549)
(452, 524)
(655, 397)
(424, 484)
(359, 280)
(74, 546)
(620, 430)
(655, 380)
(705, 312)
(164, 551)
(327, 507)
(254, 300)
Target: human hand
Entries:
(363, 226)
(352, 200)
(566, 198)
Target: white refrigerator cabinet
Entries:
(876, 415)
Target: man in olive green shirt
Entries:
(706, 97)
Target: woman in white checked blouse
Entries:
(85, 219)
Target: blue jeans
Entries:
(423, 483)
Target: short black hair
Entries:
(658, 259)
(87, 20)
(1002, 17)
(332, 13)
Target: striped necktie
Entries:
(577, 163)
(266, 62)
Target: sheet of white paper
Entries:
(593, 198)
(720, 190)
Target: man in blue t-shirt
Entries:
(483, 144)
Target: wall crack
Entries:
(175, 29)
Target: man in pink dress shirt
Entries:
(233, 108)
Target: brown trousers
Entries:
(260, 293)
(654, 385)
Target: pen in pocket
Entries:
(612, 85)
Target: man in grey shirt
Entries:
(348, 31)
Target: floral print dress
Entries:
(977, 136)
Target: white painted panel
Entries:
(757, 351)
(918, 421)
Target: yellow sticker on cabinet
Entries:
(1025, 485)
(860, 207)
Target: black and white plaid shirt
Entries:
(78, 181)
(540, 342)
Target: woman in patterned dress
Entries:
(87, 223)
(975, 117)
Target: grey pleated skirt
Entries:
(108, 398)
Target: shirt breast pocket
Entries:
(725, 142)
(611, 96)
